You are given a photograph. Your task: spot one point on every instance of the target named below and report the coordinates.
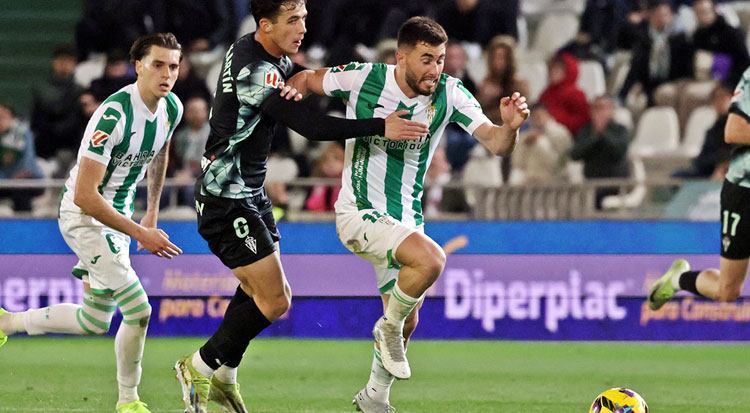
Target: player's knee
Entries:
(274, 307)
(729, 294)
(433, 263)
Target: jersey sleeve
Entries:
(256, 82)
(104, 131)
(339, 81)
(465, 109)
(741, 99)
(175, 111)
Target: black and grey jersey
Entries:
(234, 164)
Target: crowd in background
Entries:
(680, 54)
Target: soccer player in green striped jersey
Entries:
(379, 209)
(127, 136)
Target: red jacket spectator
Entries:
(564, 100)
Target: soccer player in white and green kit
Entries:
(127, 136)
(379, 209)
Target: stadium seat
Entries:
(624, 117)
(554, 31)
(658, 133)
(86, 71)
(635, 196)
(701, 119)
(535, 73)
(591, 79)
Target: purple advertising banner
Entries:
(567, 297)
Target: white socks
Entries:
(59, 318)
(379, 385)
(676, 281)
(226, 374)
(201, 365)
(399, 307)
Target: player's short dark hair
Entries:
(421, 29)
(142, 44)
(271, 9)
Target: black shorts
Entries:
(735, 221)
(238, 231)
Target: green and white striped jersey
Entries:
(739, 167)
(388, 175)
(124, 135)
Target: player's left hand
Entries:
(514, 110)
(149, 221)
(296, 86)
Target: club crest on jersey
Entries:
(251, 244)
(166, 127)
(430, 113)
(99, 139)
(272, 79)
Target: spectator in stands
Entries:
(458, 143)
(726, 43)
(117, 73)
(601, 22)
(502, 77)
(200, 24)
(54, 113)
(17, 158)
(189, 145)
(661, 53)
(114, 24)
(563, 99)
(602, 145)
(455, 64)
(478, 21)
(541, 154)
(189, 85)
(437, 176)
(715, 152)
(330, 165)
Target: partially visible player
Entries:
(379, 209)
(127, 135)
(723, 284)
(234, 213)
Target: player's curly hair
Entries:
(142, 44)
(271, 9)
(421, 29)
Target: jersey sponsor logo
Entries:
(129, 160)
(386, 143)
(109, 117)
(95, 259)
(99, 139)
(272, 79)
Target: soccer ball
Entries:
(619, 400)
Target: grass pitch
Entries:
(78, 375)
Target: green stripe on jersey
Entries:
(172, 112)
(124, 99)
(440, 102)
(122, 193)
(460, 118)
(366, 101)
(394, 172)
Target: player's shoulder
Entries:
(118, 104)
(173, 102)
(354, 66)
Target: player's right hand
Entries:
(157, 242)
(399, 129)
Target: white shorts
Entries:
(375, 236)
(103, 253)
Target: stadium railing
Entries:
(532, 201)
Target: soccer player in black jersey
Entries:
(234, 213)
